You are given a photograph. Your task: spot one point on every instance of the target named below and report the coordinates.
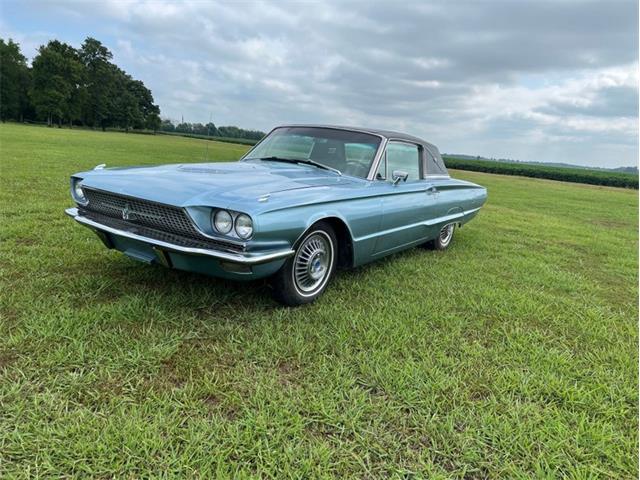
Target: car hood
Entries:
(213, 184)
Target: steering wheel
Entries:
(357, 169)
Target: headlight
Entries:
(222, 221)
(244, 226)
(78, 194)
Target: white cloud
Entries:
(533, 80)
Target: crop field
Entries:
(514, 354)
(550, 172)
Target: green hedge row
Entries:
(565, 174)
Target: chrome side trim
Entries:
(430, 222)
(241, 258)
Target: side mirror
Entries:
(398, 175)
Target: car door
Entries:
(408, 203)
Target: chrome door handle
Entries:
(432, 190)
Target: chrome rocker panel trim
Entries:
(244, 258)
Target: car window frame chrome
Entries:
(382, 150)
(421, 158)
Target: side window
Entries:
(400, 156)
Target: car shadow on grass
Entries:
(119, 279)
(178, 289)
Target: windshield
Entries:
(349, 152)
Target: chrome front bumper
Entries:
(244, 258)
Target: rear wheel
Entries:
(306, 274)
(442, 241)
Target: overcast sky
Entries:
(540, 80)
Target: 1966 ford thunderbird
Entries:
(304, 201)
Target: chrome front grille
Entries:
(152, 233)
(161, 218)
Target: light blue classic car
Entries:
(301, 203)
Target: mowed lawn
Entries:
(512, 355)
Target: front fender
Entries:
(324, 215)
(362, 218)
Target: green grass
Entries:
(512, 355)
(550, 172)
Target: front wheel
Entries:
(306, 274)
(442, 241)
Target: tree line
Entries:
(65, 85)
(210, 130)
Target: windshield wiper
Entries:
(301, 160)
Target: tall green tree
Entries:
(148, 110)
(15, 78)
(113, 97)
(58, 78)
(126, 111)
(71, 85)
(153, 121)
(101, 83)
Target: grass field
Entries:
(512, 355)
